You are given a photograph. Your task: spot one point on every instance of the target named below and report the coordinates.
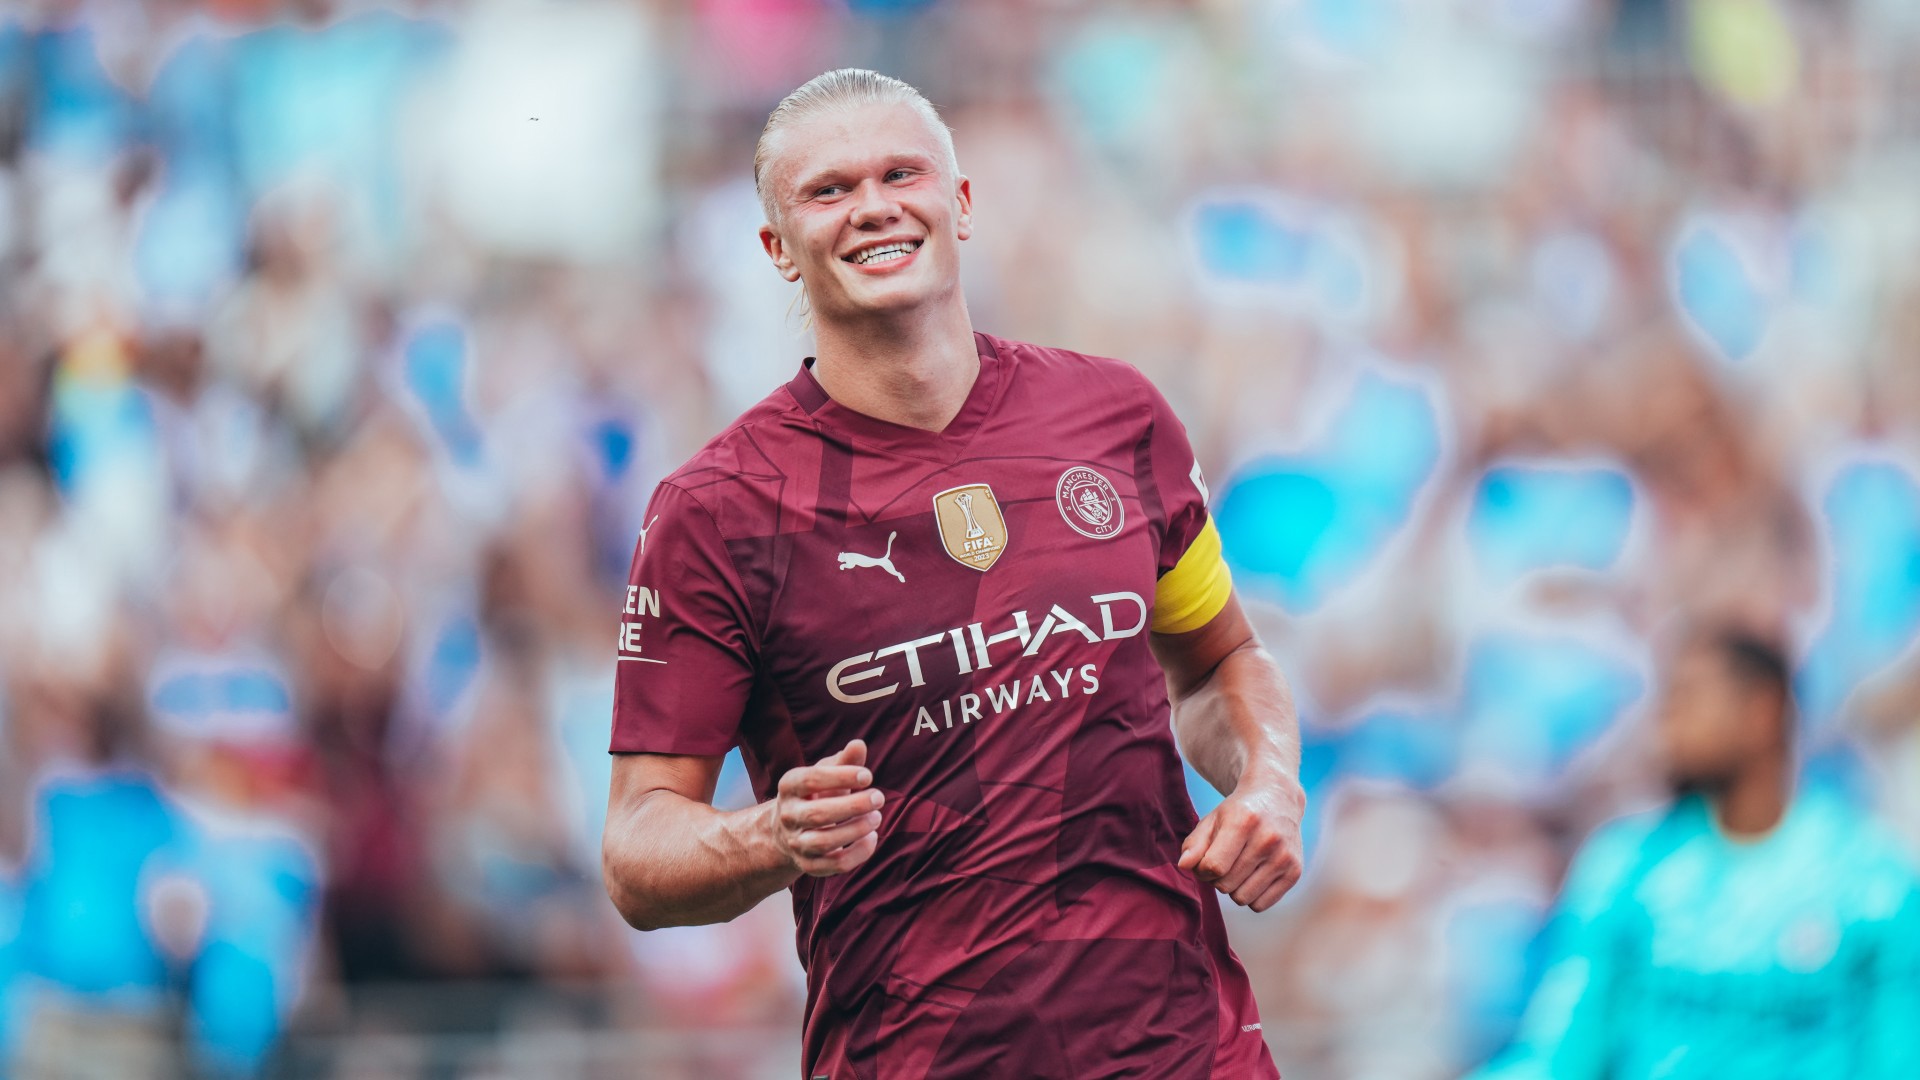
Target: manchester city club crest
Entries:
(971, 527)
(1089, 503)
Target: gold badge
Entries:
(971, 527)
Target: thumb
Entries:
(1195, 845)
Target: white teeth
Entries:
(887, 253)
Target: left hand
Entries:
(1249, 846)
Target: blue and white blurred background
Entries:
(341, 344)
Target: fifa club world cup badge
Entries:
(971, 527)
(1089, 503)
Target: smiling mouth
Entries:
(883, 253)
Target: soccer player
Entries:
(942, 588)
(1744, 931)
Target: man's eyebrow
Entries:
(820, 177)
(816, 180)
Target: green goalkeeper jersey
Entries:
(1679, 952)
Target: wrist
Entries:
(763, 849)
(1273, 772)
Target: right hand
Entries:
(826, 818)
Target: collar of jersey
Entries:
(941, 445)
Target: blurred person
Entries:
(1501, 875)
(1359, 967)
(23, 396)
(501, 843)
(289, 334)
(234, 900)
(385, 918)
(1749, 929)
(1728, 533)
(948, 547)
(96, 995)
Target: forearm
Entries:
(672, 861)
(1240, 721)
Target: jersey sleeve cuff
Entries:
(1198, 586)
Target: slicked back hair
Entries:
(842, 88)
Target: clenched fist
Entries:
(827, 817)
(1249, 847)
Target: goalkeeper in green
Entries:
(1745, 931)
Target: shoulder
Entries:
(1880, 870)
(1080, 375)
(739, 475)
(1607, 862)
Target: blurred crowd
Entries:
(341, 345)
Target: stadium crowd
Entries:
(341, 345)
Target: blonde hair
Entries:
(842, 88)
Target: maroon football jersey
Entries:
(974, 604)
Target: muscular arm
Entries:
(1234, 718)
(669, 858)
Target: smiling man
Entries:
(943, 589)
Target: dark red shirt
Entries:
(974, 604)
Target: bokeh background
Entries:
(341, 344)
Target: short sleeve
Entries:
(1194, 584)
(686, 644)
(1182, 491)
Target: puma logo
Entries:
(851, 559)
(643, 534)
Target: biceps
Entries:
(637, 776)
(1190, 658)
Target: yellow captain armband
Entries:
(1194, 591)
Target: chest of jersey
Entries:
(931, 595)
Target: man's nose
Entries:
(873, 204)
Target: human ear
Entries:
(776, 250)
(963, 222)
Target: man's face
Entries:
(1711, 724)
(867, 213)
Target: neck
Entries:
(1752, 803)
(911, 372)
